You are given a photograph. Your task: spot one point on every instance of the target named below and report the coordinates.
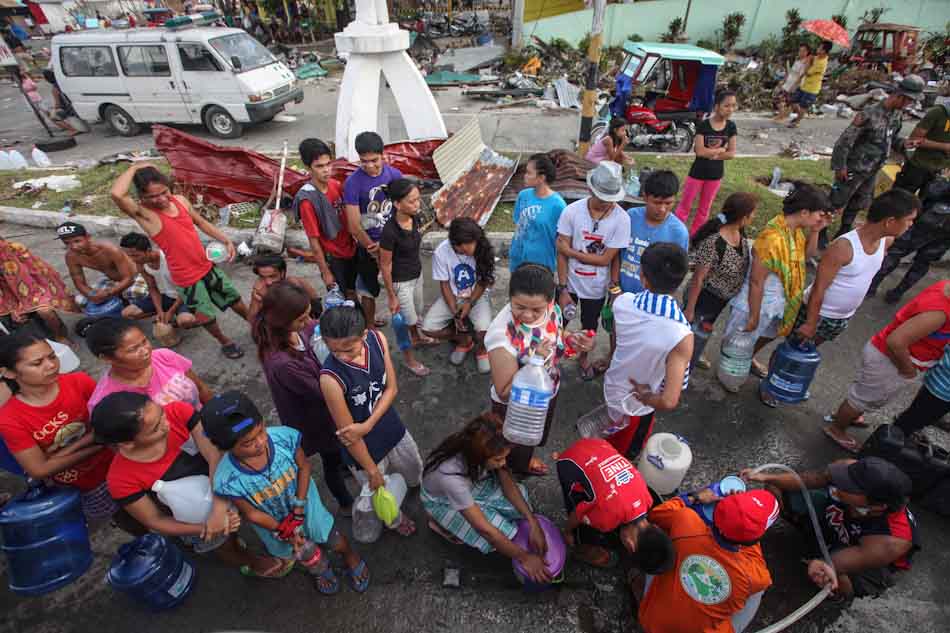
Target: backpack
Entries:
(927, 466)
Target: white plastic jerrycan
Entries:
(664, 462)
(189, 498)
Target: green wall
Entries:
(763, 17)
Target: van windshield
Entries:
(241, 45)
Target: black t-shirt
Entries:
(705, 168)
(405, 248)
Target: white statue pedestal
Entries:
(375, 46)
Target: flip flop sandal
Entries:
(420, 370)
(278, 571)
(425, 341)
(232, 351)
(766, 398)
(535, 470)
(359, 577)
(331, 584)
(850, 445)
(406, 527)
(441, 531)
(758, 372)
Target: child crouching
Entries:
(267, 476)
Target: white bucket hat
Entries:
(606, 182)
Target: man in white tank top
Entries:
(649, 368)
(850, 263)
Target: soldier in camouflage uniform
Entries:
(864, 146)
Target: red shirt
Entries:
(606, 488)
(708, 583)
(343, 246)
(178, 239)
(130, 480)
(928, 350)
(58, 424)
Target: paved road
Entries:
(726, 433)
(524, 129)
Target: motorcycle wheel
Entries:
(682, 139)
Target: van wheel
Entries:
(222, 124)
(120, 121)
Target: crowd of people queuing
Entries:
(151, 416)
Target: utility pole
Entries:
(689, 4)
(591, 75)
(517, 24)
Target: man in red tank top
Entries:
(172, 223)
(908, 346)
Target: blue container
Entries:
(111, 307)
(792, 369)
(45, 539)
(153, 572)
(403, 338)
(8, 462)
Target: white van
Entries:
(219, 77)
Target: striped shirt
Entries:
(937, 378)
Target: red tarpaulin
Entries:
(37, 12)
(226, 175)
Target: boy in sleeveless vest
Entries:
(358, 382)
(171, 222)
(850, 263)
(650, 367)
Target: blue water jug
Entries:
(8, 462)
(45, 539)
(403, 338)
(792, 369)
(152, 571)
(111, 307)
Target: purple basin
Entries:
(554, 559)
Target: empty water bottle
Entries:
(40, 158)
(334, 297)
(367, 528)
(319, 346)
(776, 178)
(5, 163)
(17, 161)
(310, 555)
(531, 393)
(735, 359)
(403, 338)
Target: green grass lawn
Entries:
(741, 175)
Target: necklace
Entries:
(597, 220)
(268, 461)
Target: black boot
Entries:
(894, 295)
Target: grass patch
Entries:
(741, 175)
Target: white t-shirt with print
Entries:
(612, 231)
(457, 269)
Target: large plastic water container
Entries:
(554, 558)
(664, 461)
(531, 393)
(8, 462)
(792, 369)
(45, 539)
(189, 498)
(111, 307)
(153, 572)
(735, 359)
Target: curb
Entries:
(113, 226)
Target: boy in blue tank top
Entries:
(359, 385)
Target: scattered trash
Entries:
(311, 71)
(40, 158)
(494, 95)
(568, 95)
(471, 58)
(451, 78)
(761, 136)
(451, 577)
(37, 205)
(533, 67)
(53, 183)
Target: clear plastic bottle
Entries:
(367, 528)
(40, 158)
(17, 161)
(403, 338)
(735, 359)
(334, 297)
(531, 393)
(319, 346)
(310, 556)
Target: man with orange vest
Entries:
(607, 501)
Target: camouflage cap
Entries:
(911, 86)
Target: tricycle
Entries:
(888, 47)
(675, 85)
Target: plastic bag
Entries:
(367, 527)
(385, 505)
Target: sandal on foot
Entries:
(359, 577)
(537, 468)
(425, 341)
(758, 370)
(459, 353)
(283, 567)
(330, 583)
(419, 370)
(850, 445)
(859, 422)
(766, 398)
(441, 531)
(232, 351)
(406, 527)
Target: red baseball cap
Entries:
(744, 517)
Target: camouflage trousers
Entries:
(929, 243)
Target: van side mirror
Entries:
(236, 62)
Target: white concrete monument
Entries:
(377, 46)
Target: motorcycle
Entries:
(679, 81)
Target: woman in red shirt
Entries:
(45, 425)
(911, 343)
